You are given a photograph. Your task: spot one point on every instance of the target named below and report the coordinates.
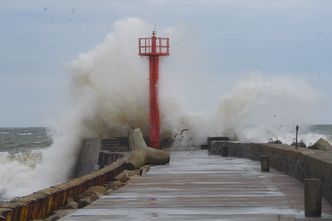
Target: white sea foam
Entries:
(265, 102)
(24, 134)
(110, 94)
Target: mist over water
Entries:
(259, 107)
(110, 94)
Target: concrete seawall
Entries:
(99, 162)
(302, 163)
(41, 204)
(94, 152)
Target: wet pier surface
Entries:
(196, 186)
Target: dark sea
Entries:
(24, 138)
(21, 149)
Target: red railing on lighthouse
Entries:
(153, 47)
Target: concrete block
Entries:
(265, 163)
(224, 151)
(312, 197)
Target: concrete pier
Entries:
(198, 186)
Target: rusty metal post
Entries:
(296, 136)
(312, 197)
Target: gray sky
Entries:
(38, 38)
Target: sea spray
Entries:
(21, 176)
(117, 79)
(284, 133)
(110, 94)
(259, 101)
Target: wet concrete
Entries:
(196, 186)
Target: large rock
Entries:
(93, 193)
(97, 189)
(123, 177)
(59, 214)
(83, 202)
(142, 154)
(322, 144)
(114, 185)
(299, 144)
(144, 170)
(277, 142)
(70, 204)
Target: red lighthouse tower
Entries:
(154, 47)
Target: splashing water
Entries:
(257, 107)
(110, 94)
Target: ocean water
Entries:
(309, 134)
(21, 149)
(24, 139)
(27, 139)
(321, 129)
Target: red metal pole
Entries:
(154, 48)
(154, 105)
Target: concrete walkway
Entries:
(196, 186)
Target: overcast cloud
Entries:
(280, 37)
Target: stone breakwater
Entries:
(43, 203)
(54, 202)
(301, 163)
